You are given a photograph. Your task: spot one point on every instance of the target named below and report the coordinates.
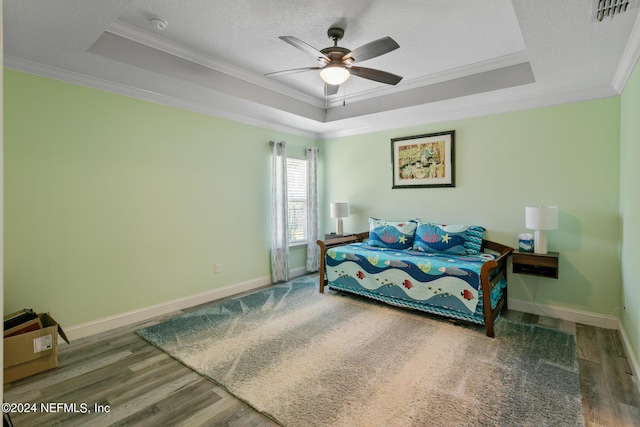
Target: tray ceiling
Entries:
(457, 59)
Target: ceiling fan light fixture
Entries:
(334, 74)
(336, 63)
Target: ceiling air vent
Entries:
(611, 8)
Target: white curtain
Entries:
(313, 251)
(279, 215)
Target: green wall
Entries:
(113, 204)
(565, 155)
(630, 208)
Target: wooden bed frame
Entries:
(496, 270)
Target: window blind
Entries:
(297, 195)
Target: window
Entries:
(297, 195)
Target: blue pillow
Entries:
(473, 244)
(391, 234)
(436, 238)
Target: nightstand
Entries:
(542, 265)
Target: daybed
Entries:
(444, 270)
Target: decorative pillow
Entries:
(436, 238)
(391, 234)
(473, 244)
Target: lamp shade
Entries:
(339, 210)
(541, 217)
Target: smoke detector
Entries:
(158, 23)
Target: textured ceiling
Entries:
(458, 58)
(251, 42)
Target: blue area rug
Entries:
(310, 359)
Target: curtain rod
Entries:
(291, 145)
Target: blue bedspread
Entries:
(450, 282)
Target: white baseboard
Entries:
(631, 357)
(572, 315)
(130, 317)
(145, 313)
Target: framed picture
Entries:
(423, 160)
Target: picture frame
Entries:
(423, 161)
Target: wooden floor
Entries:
(140, 385)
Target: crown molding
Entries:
(152, 40)
(417, 118)
(31, 67)
(629, 59)
(440, 77)
(471, 110)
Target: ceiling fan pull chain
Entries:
(326, 100)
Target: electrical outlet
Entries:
(216, 267)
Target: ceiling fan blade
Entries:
(331, 89)
(376, 75)
(372, 49)
(296, 42)
(292, 71)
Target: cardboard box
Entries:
(32, 352)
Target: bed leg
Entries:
(321, 284)
(323, 251)
(486, 307)
(489, 327)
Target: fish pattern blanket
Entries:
(448, 281)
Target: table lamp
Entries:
(339, 210)
(541, 219)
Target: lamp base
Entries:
(339, 226)
(540, 242)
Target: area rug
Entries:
(310, 359)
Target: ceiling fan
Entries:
(336, 63)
